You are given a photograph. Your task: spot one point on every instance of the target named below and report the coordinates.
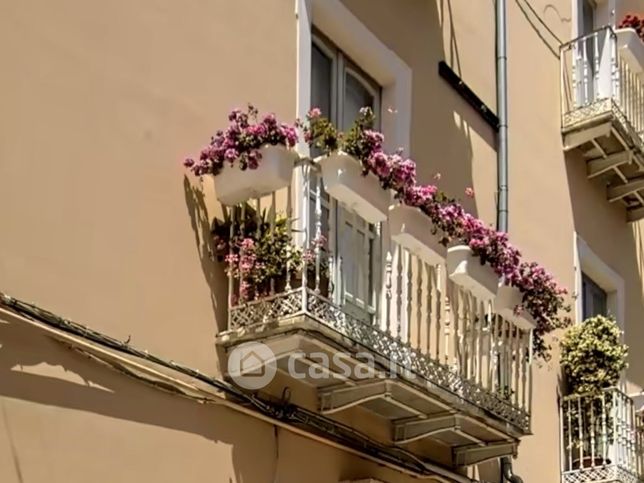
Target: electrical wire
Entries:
(297, 416)
(542, 22)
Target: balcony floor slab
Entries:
(417, 384)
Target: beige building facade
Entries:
(101, 224)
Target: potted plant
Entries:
(630, 39)
(251, 158)
(353, 165)
(592, 360)
(344, 163)
(260, 256)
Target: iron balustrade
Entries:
(602, 438)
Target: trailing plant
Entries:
(261, 255)
(542, 297)
(593, 355)
(241, 141)
(633, 21)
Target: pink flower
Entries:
(469, 192)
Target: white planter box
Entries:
(632, 48)
(465, 269)
(233, 186)
(507, 298)
(342, 175)
(412, 229)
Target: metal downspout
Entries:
(507, 473)
(502, 112)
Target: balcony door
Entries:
(587, 49)
(340, 89)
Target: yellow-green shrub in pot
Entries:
(592, 360)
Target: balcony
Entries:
(602, 439)
(438, 364)
(603, 112)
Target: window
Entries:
(340, 89)
(585, 17)
(594, 298)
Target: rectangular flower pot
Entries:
(343, 180)
(507, 298)
(465, 270)
(412, 229)
(632, 48)
(233, 186)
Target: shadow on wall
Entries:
(37, 369)
(213, 272)
(603, 226)
(442, 122)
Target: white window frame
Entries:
(588, 262)
(604, 14)
(349, 297)
(335, 21)
(353, 38)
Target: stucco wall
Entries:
(64, 419)
(101, 101)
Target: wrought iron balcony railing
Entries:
(602, 438)
(602, 108)
(596, 79)
(351, 278)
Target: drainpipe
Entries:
(502, 112)
(506, 470)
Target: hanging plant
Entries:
(240, 143)
(542, 297)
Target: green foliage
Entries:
(593, 356)
(260, 255)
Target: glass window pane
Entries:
(356, 96)
(594, 298)
(321, 71)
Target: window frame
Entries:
(341, 66)
(589, 289)
(589, 263)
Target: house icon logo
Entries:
(252, 365)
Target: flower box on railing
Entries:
(505, 303)
(631, 47)
(466, 270)
(410, 228)
(344, 181)
(274, 171)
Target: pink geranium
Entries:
(241, 141)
